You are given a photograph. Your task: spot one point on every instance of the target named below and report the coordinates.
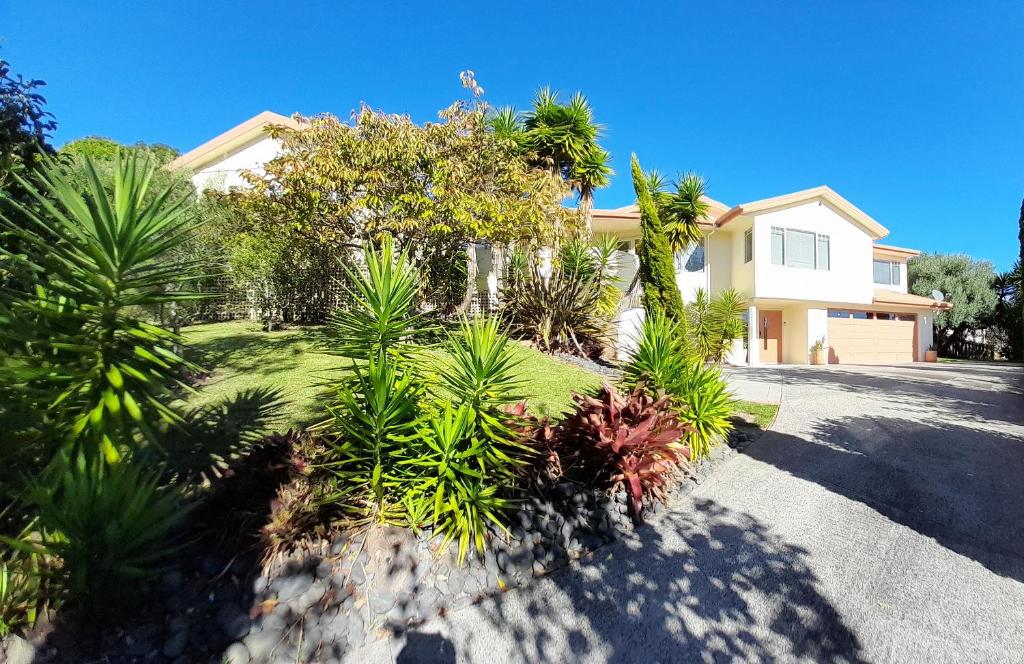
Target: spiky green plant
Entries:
(74, 340)
(661, 355)
(110, 528)
(713, 322)
(705, 404)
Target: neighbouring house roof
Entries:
(889, 251)
(884, 297)
(627, 218)
(823, 193)
(231, 140)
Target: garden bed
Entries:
(342, 592)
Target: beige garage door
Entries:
(869, 341)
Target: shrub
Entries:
(666, 362)
(714, 322)
(23, 587)
(98, 372)
(110, 530)
(633, 439)
(442, 455)
(557, 313)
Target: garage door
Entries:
(870, 341)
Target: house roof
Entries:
(823, 193)
(884, 297)
(233, 139)
(889, 251)
(627, 218)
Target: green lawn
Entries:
(764, 413)
(243, 359)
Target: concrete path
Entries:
(881, 520)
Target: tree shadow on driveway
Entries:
(960, 485)
(709, 584)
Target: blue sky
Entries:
(913, 111)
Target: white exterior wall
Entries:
(924, 334)
(817, 327)
(227, 172)
(628, 326)
(849, 277)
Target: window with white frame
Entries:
(887, 272)
(796, 248)
(748, 245)
(692, 260)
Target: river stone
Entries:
(237, 653)
(20, 651)
(233, 621)
(259, 645)
(176, 643)
(292, 586)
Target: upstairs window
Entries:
(887, 272)
(748, 245)
(695, 261)
(794, 248)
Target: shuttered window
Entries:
(778, 246)
(800, 248)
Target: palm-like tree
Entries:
(681, 210)
(564, 138)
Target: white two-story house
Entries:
(809, 262)
(812, 269)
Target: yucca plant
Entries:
(633, 439)
(666, 362)
(383, 317)
(557, 313)
(100, 373)
(111, 530)
(714, 321)
(705, 404)
(453, 479)
(24, 586)
(661, 356)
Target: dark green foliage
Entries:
(110, 528)
(559, 313)
(681, 210)
(966, 283)
(25, 126)
(657, 272)
(97, 373)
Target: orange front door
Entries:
(770, 330)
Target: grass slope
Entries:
(243, 358)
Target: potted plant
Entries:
(818, 353)
(931, 355)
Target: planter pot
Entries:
(931, 356)
(736, 355)
(819, 356)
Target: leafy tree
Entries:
(564, 139)
(681, 210)
(1008, 314)
(102, 149)
(432, 187)
(967, 285)
(657, 273)
(25, 127)
(1020, 280)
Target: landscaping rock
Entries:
(233, 621)
(237, 653)
(261, 645)
(175, 644)
(292, 586)
(19, 651)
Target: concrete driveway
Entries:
(882, 520)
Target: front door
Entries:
(770, 331)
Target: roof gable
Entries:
(824, 194)
(239, 136)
